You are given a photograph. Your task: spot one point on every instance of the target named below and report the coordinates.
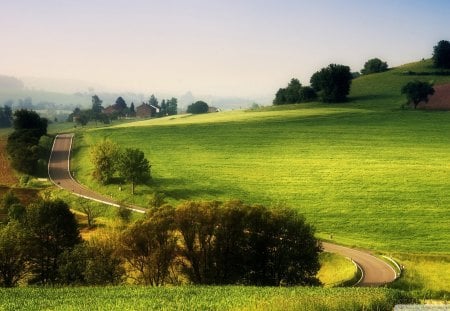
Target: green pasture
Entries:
(335, 270)
(374, 179)
(199, 298)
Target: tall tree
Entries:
(332, 83)
(172, 106)
(120, 104)
(417, 91)
(52, 229)
(133, 167)
(441, 55)
(13, 254)
(153, 101)
(96, 109)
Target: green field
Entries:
(198, 298)
(367, 172)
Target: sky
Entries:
(223, 48)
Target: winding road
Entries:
(375, 272)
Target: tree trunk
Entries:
(132, 187)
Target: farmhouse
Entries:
(146, 111)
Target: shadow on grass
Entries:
(181, 189)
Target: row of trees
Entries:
(196, 242)
(168, 107)
(111, 162)
(24, 145)
(330, 84)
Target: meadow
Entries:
(371, 173)
(199, 298)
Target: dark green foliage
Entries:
(198, 107)
(153, 101)
(234, 243)
(13, 254)
(441, 55)
(52, 229)
(17, 212)
(133, 167)
(124, 214)
(120, 104)
(417, 91)
(30, 120)
(23, 144)
(8, 200)
(374, 65)
(5, 116)
(95, 262)
(132, 112)
(332, 83)
(294, 93)
(172, 108)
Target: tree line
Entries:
(195, 242)
(6, 116)
(119, 109)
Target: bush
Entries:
(374, 65)
(198, 107)
(332, 83)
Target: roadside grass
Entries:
(199, 298)
(424, 275)
(335, 270)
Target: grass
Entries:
(425, 275)
(383, 173)
(335, 270)
(198, 298)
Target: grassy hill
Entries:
(367, 172)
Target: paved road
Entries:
(375, 271)
(59, 173)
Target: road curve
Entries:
(59, 173)
(376, 272)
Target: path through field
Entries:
(375, 271)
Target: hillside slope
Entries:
(366, 172)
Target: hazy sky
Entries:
(228, 47)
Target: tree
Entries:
(374, 65)
(52, 230)
(132, 111)
(133, 167)
(332, 83)
(149, 246)
(23, 144)
(6, 116)
(95, 262)
(90, 210)
(198, 107)
(417, 91)
(13, 254)
(97, 108)
(153, 101)
(120, 104)
(104, 157)
(172, 106)
(441, 55)
(30, 120)
(294, 93)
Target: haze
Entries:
(228, 48)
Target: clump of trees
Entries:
(223, 243)
(198, 107)
(129, 165)
(332, 83)
(374, 65)
(195, 242)
(441, 54)
(23, 145)
(417, 91)
(294, 93)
